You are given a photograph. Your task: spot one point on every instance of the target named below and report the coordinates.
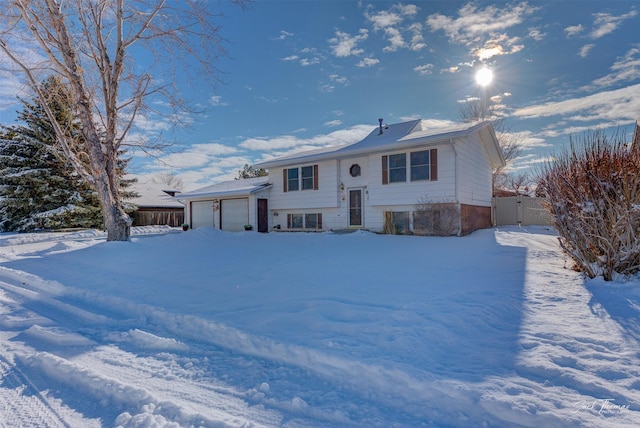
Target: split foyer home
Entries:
(401, 178)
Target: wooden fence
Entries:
(152, 217)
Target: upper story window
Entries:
(292, 179)
(307, 177)
(423, 165)
(304, 178)
(397, 168)
(420, 165)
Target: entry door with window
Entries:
(355, 207)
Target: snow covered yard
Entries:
(206, 328)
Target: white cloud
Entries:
(344, 44)
(536, 34)
(392, 23)
(327, 87)
(291, 58)
(424, 70)
(332, 123)
(290, 142)
(528, 140)
(472, 22)
(498, 44)
(610, 106)
(606, 23)
(395, 39)
(309, 61)
(624, 69)
(343, 80)
(283, 35)
(574, 30)
(417, 40)
(368, 62)
(584, 51)
(216, 100)
(384, 19)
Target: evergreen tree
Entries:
(248, 171)
(38, 188)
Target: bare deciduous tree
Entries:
(90, 45)
(169, 179)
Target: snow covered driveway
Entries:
(206, 328)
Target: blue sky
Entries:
(308, 74)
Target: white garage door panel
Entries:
(201, 214)
(235, 214)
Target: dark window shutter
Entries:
(288, 221)
(315, 177)
(433, 164)
(385, 169)
(284, 180)
(319, 221)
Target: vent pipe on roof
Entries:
(380, 132)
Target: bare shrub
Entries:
(436, 218)
(593, 194)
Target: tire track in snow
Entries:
(21, 405)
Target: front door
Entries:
(355, 208)
(263, 215)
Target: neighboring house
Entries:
(156, 206)
(401, 178)
(229, 205)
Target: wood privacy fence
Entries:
(173, 217)
(520, 210)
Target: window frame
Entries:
(417, 168)
(388, 170)
(306, 182)
(293, 183)
(401, 169)
(298, 221)
(297, 183)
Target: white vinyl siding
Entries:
(408, 193)
(323, 197)
(474, 174)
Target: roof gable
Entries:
(241, 187)
(398, 136)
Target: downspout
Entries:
(456, 180)
(455, 167)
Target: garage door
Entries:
(235, 214)
(201, 214)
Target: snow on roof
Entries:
(398, 135)
(245, 186)
(155, 195)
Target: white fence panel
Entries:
(520, 210)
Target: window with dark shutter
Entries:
(315, 177)
(307, 177)
(385, 169)
(292, 179)
(433, 157)
(284, 180)
(419, 165)
(398, 168)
